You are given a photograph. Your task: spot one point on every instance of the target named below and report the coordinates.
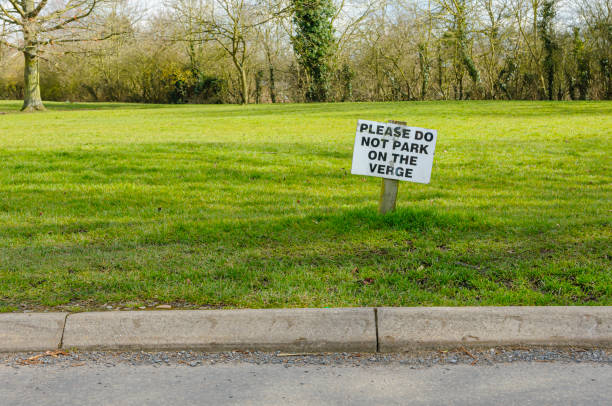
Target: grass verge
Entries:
(231, 206)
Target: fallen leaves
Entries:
(469, 354)
(466, 352)
(37, 359)
(297, 354)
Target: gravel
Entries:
(414, 360)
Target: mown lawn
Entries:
(231, 206)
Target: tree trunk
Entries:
(258, 79)
(441, 73)
(31, 77)
(272, 85)
(31, 92)
(244, 82)
(424, 66)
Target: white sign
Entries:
(394, 151)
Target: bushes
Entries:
(11, 89)
(209, 89)
(136, 77)
(11, 82)
(475, 51)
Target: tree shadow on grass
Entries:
(15, 106)
(331, 257)
(158, 234)
(324, 225)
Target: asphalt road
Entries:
(243, 383)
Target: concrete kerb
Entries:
(310, 330)
(290, 330)
(31, 331)
(406, 329)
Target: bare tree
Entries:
(495, 38)
(350, 14)
(526, 17)
(232, 25)
(191, 50)
(36, 25)
(273, 38)
(3, 41)
(186, 15)
(459, 16)
(597, 17)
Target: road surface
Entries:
(267, 382)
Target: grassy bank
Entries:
(255, 206)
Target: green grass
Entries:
(255, 206)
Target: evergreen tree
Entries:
(582, 64)
(545, 26)
(314, 44)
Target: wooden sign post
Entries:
(393, 151)
(388, 195)
(389, 187)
